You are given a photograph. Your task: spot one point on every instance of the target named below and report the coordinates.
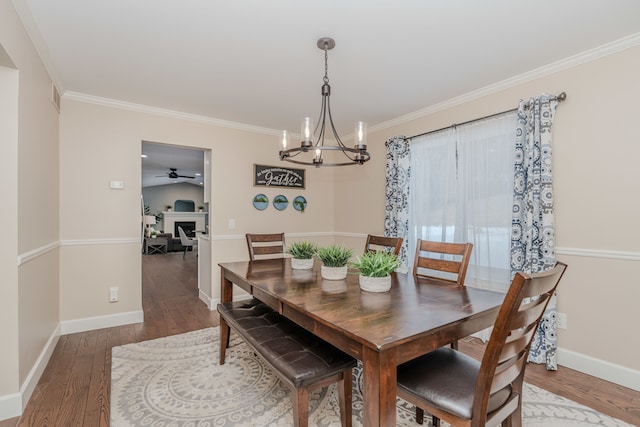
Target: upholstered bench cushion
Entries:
(297, 354)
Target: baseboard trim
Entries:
(241, 297)
(205, 298)
(38, 368)
(607, 371)
(100, 322)
(12, 405)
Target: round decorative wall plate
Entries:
(300, 203)
(280, 202)
(260, 202)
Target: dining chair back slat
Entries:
(261, 245)
(433, 258)
(380, 243)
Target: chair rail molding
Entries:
(599, 253)
(242, 237)
(25, 257)
(114, 241)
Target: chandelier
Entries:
(354, 156)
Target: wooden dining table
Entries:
(382, 330)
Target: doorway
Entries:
(174, 191)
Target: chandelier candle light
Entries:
(355, 156)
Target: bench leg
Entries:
(224, 339)
(300, 403)
(345, 398)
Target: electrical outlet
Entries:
(561, 320)
(113, 294)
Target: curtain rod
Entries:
(561, 97)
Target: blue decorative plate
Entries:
(280, 202)
(300, 203)
(260, 202)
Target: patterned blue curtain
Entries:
(396, 220)
(532, 235)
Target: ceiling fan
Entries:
(174, 174)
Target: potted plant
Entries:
(375, 270)
(334, 261)
(169, 208)
(302, 253)
(200, 208)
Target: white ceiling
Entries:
(160, 158)
(255, 62)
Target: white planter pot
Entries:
(375, 284)
(301, 264)
(333, 273)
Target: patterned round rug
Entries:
(176, 381)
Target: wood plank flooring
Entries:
(75, 387)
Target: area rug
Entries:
(177, 381)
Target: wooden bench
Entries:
(301, 360)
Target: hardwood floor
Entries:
(74, 389)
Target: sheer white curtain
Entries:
(462, 191)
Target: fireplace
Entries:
(185, 220)
(189, 228)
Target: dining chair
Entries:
(466, 392)
(442, 260)
(186, 241)
(265, 244)
(377, 243)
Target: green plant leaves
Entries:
(302, 250)
(334, 256)
(376, 263)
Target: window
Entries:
(461, 190)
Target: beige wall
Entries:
(158, 197)
(596, 153)
(9, 359)
(57, 179)
(29, 257)
(100, 143)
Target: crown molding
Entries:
(566, 63)
(114, 103)
(24, 13)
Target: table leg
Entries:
(224, 339)
(379, 388)
(226, 295)
(226, 288)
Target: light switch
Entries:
(116, 185)
(232, 224)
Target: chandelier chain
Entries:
(326, 64)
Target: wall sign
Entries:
(275, 176)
